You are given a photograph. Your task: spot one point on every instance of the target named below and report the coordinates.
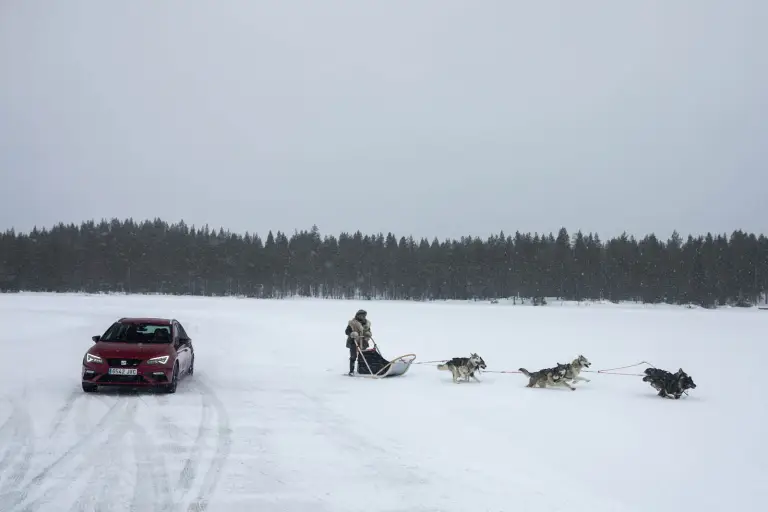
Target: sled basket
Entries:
(370, 363)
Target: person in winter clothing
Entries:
(358, 333)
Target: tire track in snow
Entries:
(8, 420)
(39, 480)
(223, 446)
(171, 432)
(151, 474)
(100, 470)
(85, 502)
(151, 490)
(192, 462)
(62, 413)
(81, 416)
(17, 458)
(98, 452)
(9, 438)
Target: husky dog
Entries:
(464, 367)
(554, 377)
(669, 385)
(574, 368)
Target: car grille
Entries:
(106, 379)
(118, 362)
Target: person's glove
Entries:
(354, 334)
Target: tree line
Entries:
(154, 256)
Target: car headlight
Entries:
(90, 358)
(158, 360)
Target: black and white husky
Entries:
(463, 367)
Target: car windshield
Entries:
(138, 333)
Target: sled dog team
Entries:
(668, 385)
(466, 367)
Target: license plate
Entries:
(122, 371)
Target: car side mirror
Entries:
(95, 338)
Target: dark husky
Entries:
(463, 367)
(669, 385)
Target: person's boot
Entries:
(351, 368)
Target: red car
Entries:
(139, 352)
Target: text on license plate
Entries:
(122, 371)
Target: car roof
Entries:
(143, 320)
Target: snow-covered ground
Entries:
(269, 423)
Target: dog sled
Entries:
(371, 364)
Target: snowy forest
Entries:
(154, 256)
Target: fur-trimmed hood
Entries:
(362, 328)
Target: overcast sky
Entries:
(426, 117)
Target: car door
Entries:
(183, 350)
(190, 348)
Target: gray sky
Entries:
(425, 117)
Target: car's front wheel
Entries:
(89, 388)
(171, 388)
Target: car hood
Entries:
(130, 350)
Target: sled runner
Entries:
(370, 363)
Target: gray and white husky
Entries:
(463, 367)
(559, 375)
(554, 377)
(574, 368)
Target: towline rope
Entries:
(610, 371)
(606, 371)
(437, 361)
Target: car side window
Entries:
(182, 332)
